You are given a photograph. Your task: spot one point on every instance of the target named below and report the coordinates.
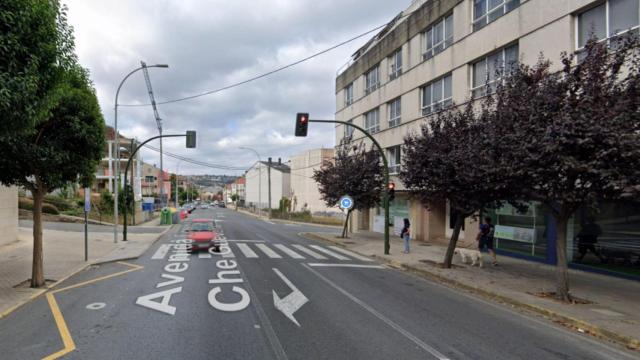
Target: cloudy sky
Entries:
(209, 44)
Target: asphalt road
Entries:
(273, 295)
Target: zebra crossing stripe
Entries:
(203, 255)
(329, 252)
(288, 251)
(309, 252)
(267, 250)
(350, 253)
(246, 250)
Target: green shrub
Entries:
(50, 209)
(25, 203)
(58, 202)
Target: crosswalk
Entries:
(256, 250)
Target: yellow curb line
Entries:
(67, 340)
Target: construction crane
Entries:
(158, 123)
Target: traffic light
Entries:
(302, 124)
(191, 139)
(392, 191)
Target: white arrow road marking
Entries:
(350, 253)
(288, 251)
(290, 303)
(309, 252)
(161, 252)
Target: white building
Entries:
(304, 190)
(257, 184)
(8, 214)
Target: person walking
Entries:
(405, 234)
(485, 238)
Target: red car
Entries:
(203, 235)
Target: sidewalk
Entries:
(63, 257)
(612, 314)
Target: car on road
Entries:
(203, 235)
(222, 205)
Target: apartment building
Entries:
(438, 53)
(152, 181)
(257, 184)
(304, 190)
(106, 168)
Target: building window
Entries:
(395, 112)
(608, 21)
(437, 95)
(148, 179)
(394, 157)
(348, 130)
(438, 37)
(395, 64)
(491, 69)
(348, 94)
(372, 80)
(372, 121)
(486, 11)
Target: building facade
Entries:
(106, 168)
(304, 190)
(438, 53)
(8, 214)
(257, 184)
(151, 181)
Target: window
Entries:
(393, 155)
(372, 121)
(608, 20)
(348, 94)
(348, 130)
(372, 80)
(437, 95)
(149, 178)
(489, 70)
(486, 11)
(438, 37)
(395, 64)
(395, 112)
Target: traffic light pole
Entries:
(126, 171)
(386, 177)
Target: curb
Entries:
(288, 221)
(133, 257)
(567, 321)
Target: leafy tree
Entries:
(452, 160)
(572, 137)
(67, 146)
(355, 171)
(36, 48)
(235, 198)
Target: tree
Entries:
(235, 198)
(356, 172)
(573, 136)
(452, 160)
(36, 48)
(67, 146)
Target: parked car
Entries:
(222, 205)
(203, 235)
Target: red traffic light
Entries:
(392, 186)
(302, 124)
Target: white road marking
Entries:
(246, 250)
(288, 251)
(269, 222)
(329, 252)
(347, 265)
(161, 252)
(290, 303)
(174, 279)
(204, 255)
(309, 252)
(351, 253)
(96, 306)
(247, 241)
(267, 250)
(163, 305)
(385, 319)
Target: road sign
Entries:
(87, 199)
(346, 202)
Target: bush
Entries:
(50, 209)
(58, 202)
(25, 204)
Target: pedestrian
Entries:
(485, 238)
(405, 234)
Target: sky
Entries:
(209, 44)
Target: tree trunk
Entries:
(448, 257)
(562, 272)
(37, 270)
(346, 224)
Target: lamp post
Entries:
(259, 177)
(177, 171)
(117, 139)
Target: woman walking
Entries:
(406, 235)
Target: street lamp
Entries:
(259, 177)
(117, 138)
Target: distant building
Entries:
(304, 190)
(257, 184)
(151, 181)
(106, 168)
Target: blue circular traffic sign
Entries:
(346, 202)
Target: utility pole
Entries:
(269, 185)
